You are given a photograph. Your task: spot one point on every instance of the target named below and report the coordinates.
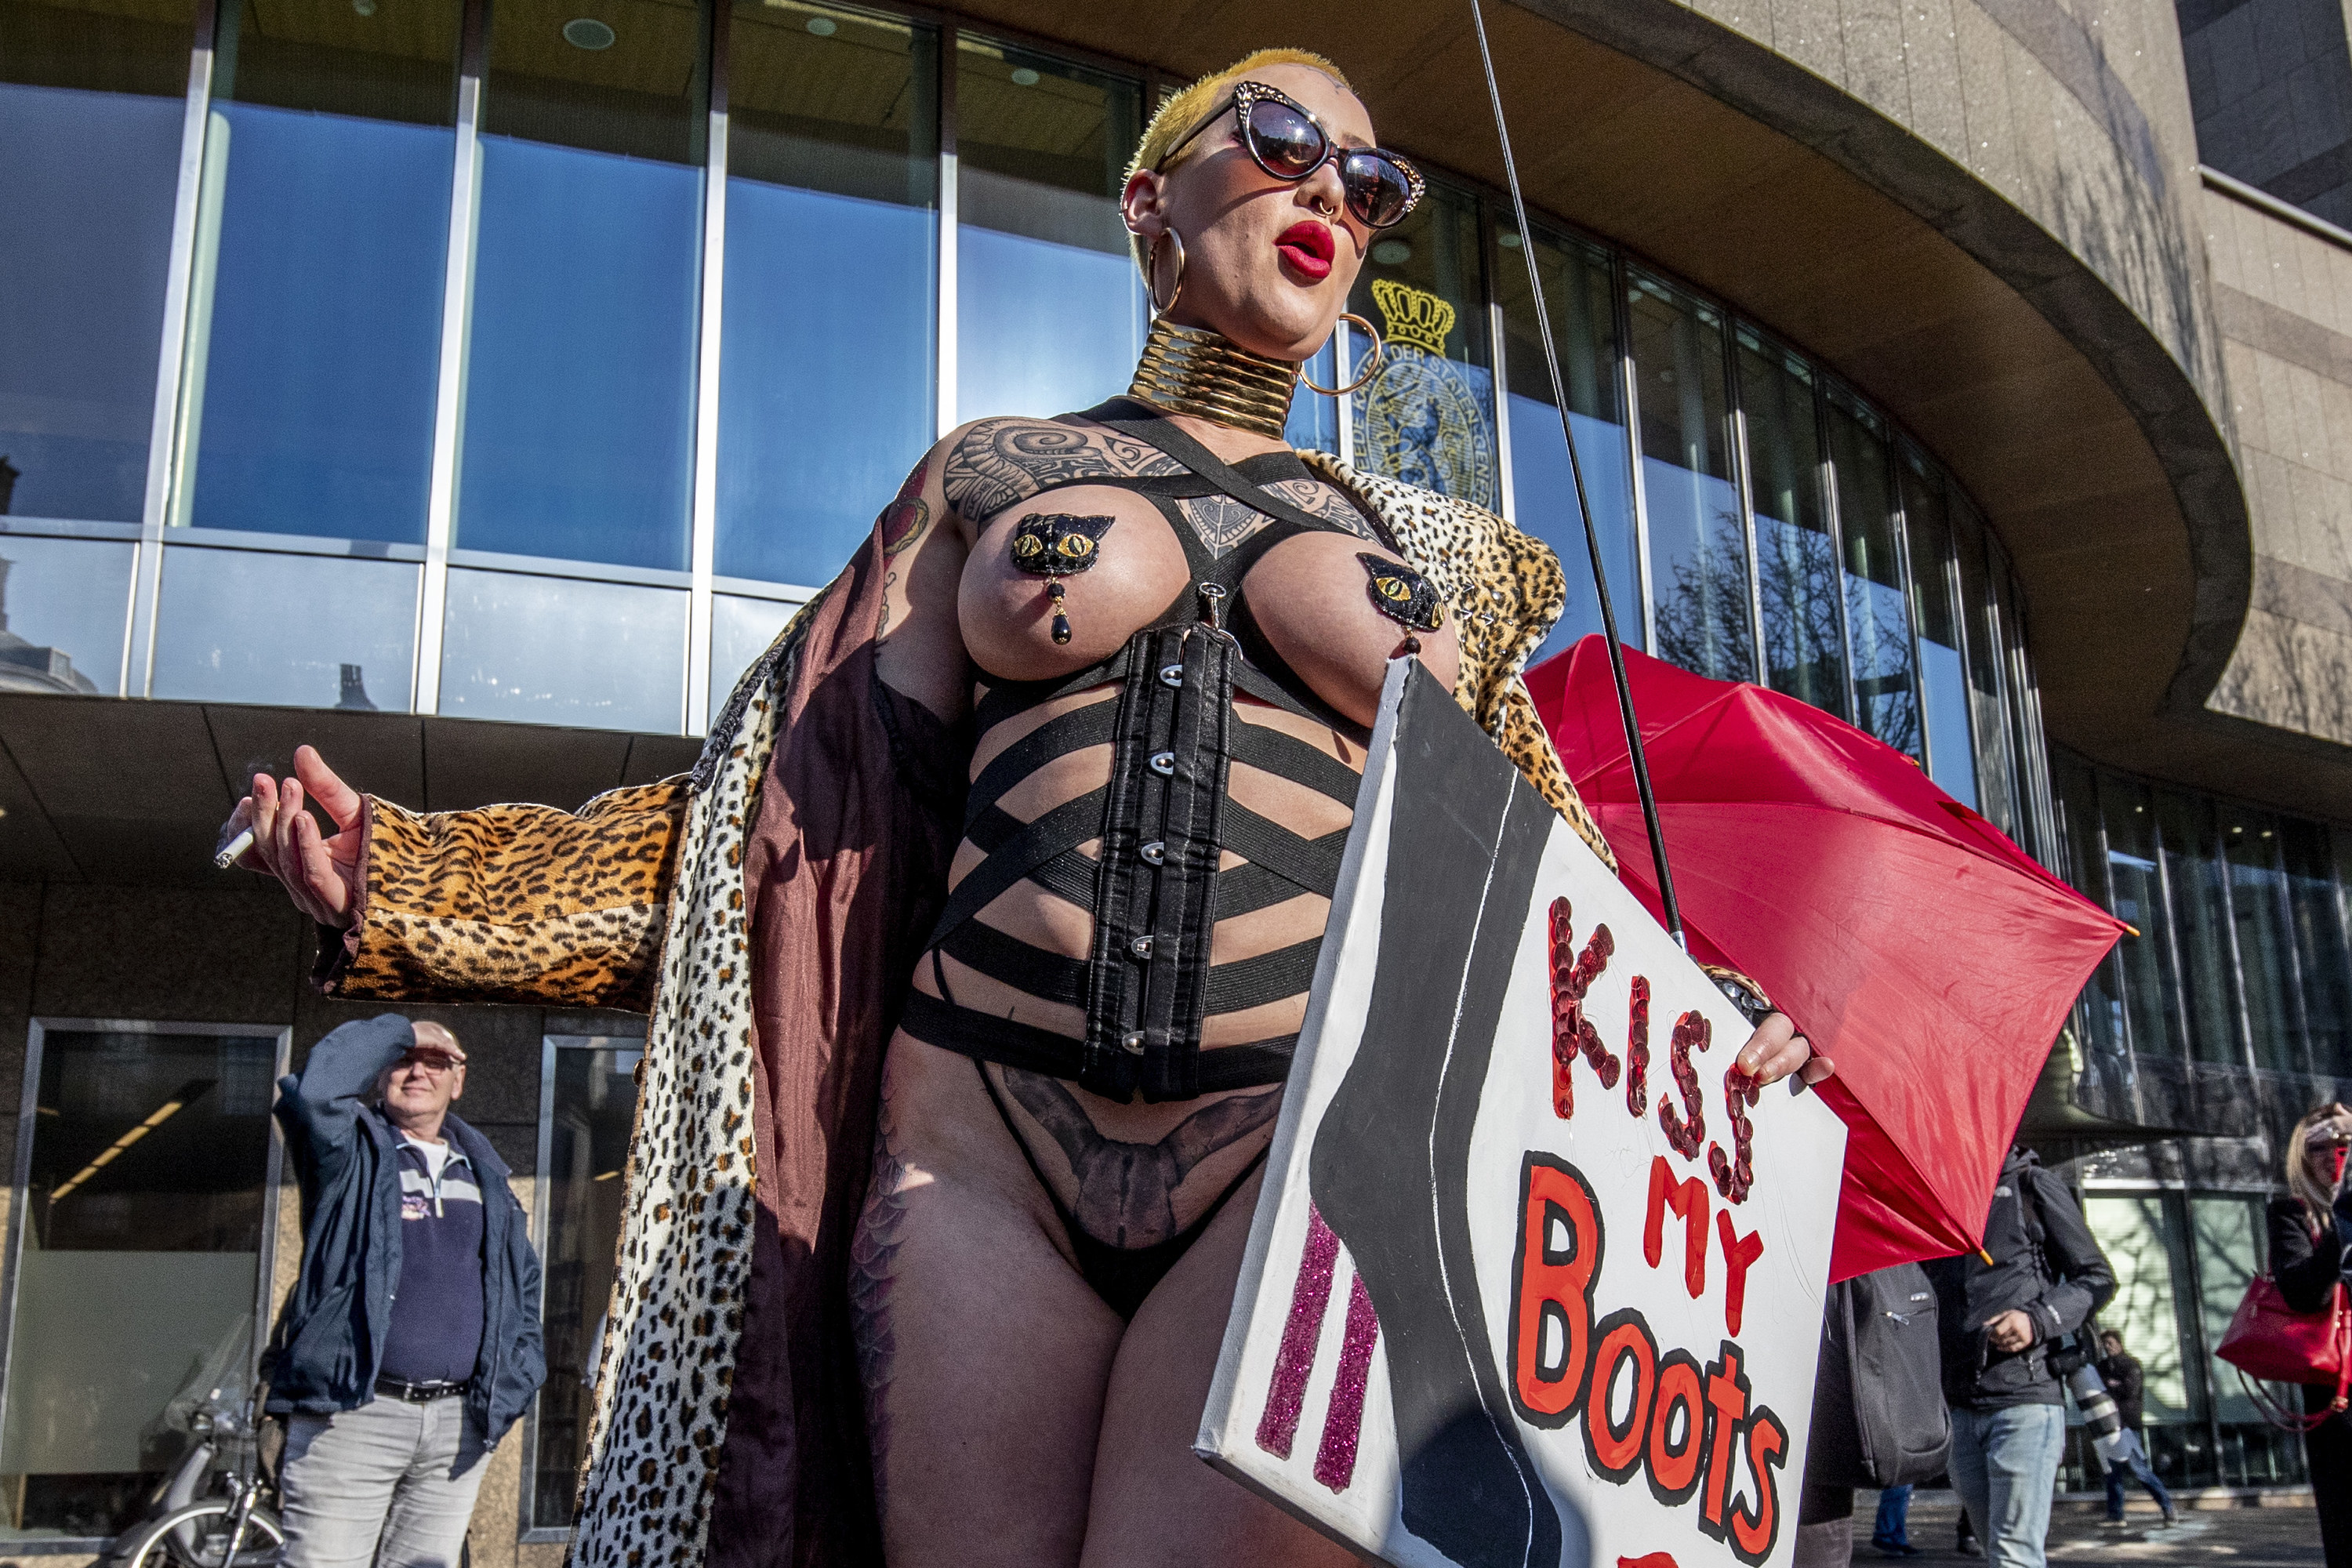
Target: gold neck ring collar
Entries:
(1192, 370)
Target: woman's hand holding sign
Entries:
(1776, 1049)
(320, 873)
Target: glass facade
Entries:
(139, 1262)
(543, 360)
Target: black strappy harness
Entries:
(1163, 821)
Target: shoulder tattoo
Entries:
(1001, 461)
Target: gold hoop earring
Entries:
(1152, 283)
(1377, 359)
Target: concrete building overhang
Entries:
(2090, 446)
(97, 789)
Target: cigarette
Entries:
(232, 849)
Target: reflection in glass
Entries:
(1698, 548)
(2006, 610)
(591, 1105)
(2323, 954)
(742, 627)
(1878, 622)
(1050, 311)
(548, 650)
(579, 372)
(1428, 418)
(2201, 906)
(140, 1239)
(2136, 887)
(2228, 1233)
(1796, 563)
(315, 320)
(64, 604)
(1995, 767)
(87, 184)
(1943, 679)
(339, 633)
(826, 397)
(2140, 1233)
(1578, 292)
(2250, 846)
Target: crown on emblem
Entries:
(1411, 315)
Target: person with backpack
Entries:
(1878, 1415)
(2007, 1316)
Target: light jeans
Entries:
(389, 1485)
(2004, 1465)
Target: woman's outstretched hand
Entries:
(1776, 1049)
(320, 874)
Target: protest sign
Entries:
(1534, 1278)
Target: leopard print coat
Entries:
(637, 901)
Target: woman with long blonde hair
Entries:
(2307, 1262)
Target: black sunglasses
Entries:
(1289, 143)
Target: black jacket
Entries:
(2124, 1379)
(2305, 1269)
(330, 1341)
(2044, 1263)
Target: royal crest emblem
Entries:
(1423, 420)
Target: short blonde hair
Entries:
(1181, 114)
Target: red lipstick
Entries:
(1307, 247)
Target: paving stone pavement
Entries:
(2229, 1538)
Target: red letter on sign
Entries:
(1688, 1200)
(1738, 1252)
(1726, 1403)
(1752, 1535)
(1551, 1290)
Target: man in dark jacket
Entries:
(2126, 1382)
(412, 1342)
(2000, 1320)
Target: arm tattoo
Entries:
(873, 1261)
(1126, 1192)
(1001, 461)
(904, 520)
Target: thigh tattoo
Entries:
(873, 1261)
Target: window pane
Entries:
(1314, 419)
(2258, 903)
(1796, 565)
(1996, 770)
(63, 606)
(1578, 290)
(741, 630)
(825, 392)
(548, 651)
(2192, 869)
(2136, 884)
(2019, 701)
(2140, 1234)
(1428, 418)
(141, 1238)
(341, 634)
(1943, 682)
(1878, 622)
(315, 323)
(2321, 949)
(91, 105)
(594, 1100)
(1698, 549)
(2100, 1013)
(580, 374)
(1049, 306)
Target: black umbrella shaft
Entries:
(1666, 900)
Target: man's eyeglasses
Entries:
(436, 1063)
(1289, 143)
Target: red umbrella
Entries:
(1910, 940)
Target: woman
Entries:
(1153, 639)
(2307, 1262)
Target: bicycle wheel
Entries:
(196, 1536)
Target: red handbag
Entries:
(2268, 1341)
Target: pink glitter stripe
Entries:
(1296, 1359)
(1335, 1461)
